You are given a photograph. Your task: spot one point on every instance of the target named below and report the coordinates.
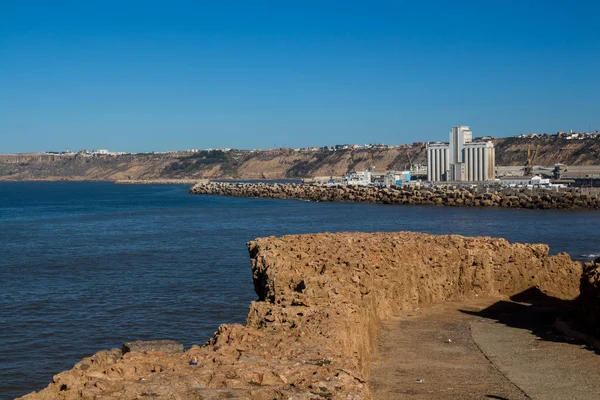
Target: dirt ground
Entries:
(482, 349)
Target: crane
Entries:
(410, 163)
(530, 159)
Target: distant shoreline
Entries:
(578, 157)
(54, 180)
(165, 181)
(160, 181)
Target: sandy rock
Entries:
(145, 346)
(311, 334)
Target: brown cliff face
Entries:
(236, 164)
(273, 164)
(82, 168)
(311, 333)
(552, 150)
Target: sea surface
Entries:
(87, 266)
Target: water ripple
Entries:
(87, 266)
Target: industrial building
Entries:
(358, 178)
(369, 178)
(396, 178)
(461, 160)
(527, 181)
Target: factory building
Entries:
(461, 160)
(438, 162)
(395, 178)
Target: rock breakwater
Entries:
(442, 196)
(311, 333)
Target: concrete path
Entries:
(481, 349)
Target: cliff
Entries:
(56, 167)
(235, 164)
(272, 164)
(321, 298)
(552, 150)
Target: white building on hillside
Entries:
(100, 152)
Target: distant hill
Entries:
(552, 150)
(272, 164)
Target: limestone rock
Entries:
(312, 333)
(145, 346)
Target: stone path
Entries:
(481, 349)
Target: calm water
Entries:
(88, 266)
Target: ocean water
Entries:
(87, 266)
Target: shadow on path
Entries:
(532, 310)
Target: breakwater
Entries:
(441, 196)
(321, 298)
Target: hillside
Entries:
(272, 164)
(235, 164)
(552, 150)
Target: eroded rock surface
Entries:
(146, 346)
(311, 334)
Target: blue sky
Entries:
(164, 75)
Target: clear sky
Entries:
(164, 75)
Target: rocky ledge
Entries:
(464, 197)
(321, 298)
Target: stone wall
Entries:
(311, 333)
(463, 197)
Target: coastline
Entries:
(55, 179)
(322, 297)
(573, 198)
(160, 181)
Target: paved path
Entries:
(481, 349)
